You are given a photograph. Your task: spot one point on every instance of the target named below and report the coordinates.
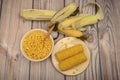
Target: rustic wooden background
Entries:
(104, 43)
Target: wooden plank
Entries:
(116, 34)
(0, 4)
(1, 1)
(12, 29)
(24, 68)
(108, 39)
(4, 21)
(44, 70)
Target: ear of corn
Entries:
(72, 61)
(35, 14)
(66, 53)
(70, 32)
(64, 12)
(68, 22)
(88, 20)
(65, 26)
(80, 21)
(82, 29)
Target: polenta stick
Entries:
(72, 61)
(66, 53)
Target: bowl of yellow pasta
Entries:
(35, 46)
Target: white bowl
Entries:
(24, 52)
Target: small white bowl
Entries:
(24, 52)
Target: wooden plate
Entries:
(66, 43)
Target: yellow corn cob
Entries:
(82, 29)
(61, 55)
(70, 32)
(64, 13)
(65, 26)
(72, 61)
(68, 22)
(35, 14)
(88, 20)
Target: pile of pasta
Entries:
(71, 57)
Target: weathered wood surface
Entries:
(103, 43)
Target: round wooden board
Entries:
(66, 43)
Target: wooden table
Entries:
(103, 43)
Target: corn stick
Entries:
(72, 61)
(66, 53)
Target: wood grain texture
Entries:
(11, 34)
(107, 41)
(1, 1)
(103, 43)
(116, 34)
